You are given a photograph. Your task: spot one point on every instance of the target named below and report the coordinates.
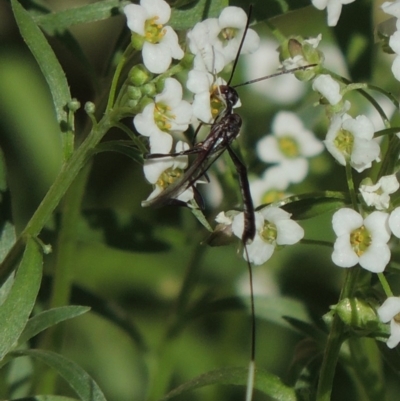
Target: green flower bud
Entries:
(90, 107)
(137, 41)
(134, 93)
(357, 314)
(139, 75)
(148, 89)
(74, 105)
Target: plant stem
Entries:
(335, 340)
(66, 176)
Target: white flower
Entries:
(215, 42)
(270, 187)
(163, 171)
(362, 241)
(350, 139)
(205, 90)
(168, 114)
(389, 311)
(394, 43)
(289, 146)
(161, 42)
(378, 195)
(334, 8)
(394, 222)
(273, 227)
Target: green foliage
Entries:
(164, 308)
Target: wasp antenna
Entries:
(252, 365)
(241, 44)
(304, 67)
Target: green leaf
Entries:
(127, 148)
(84, 386)
(274, 8)
(61, 20)
(45, 398)
(49, 318)
(265, 382)
(46, 59)
(312, 204)
(15, 310)
(187, 17)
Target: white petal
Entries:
(377, 224)
(396, 68)
(394, 338)
(199, 81)
(364, 152)
(392, 8)
(144, 122)
(201, 107)
(274, 214)
(389, 309)
(320, 4)
(328, 88)
(153, 168)
(334, 10)
(268, 150)
(171, 41)
(182, 117)
(343, 254)
(375, 258)
(136, 18)
(389, 183)
(232, 17)
(259, 251)
(156, 57)
(171, 94)
(157, 8)
(289, 232)
(159, 141)
(394, 222)
(295, 170)
(360, 127)
(346, 220)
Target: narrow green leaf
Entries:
(127, 148)
(265, 382)
(312, 204)
(84, 386)
(46, 59)
(45, 398)
(15, 310)
(49, 318)
(61, 20)
(274, 8)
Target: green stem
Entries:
(385, 285)
(335, 340)
(350, 184)
(66, 176)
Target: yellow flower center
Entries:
(216, 104)
(163, 116)
(360, 240)
(269, 232)
(168, 177)
(153, 32)
(344, 141)
(227, 34)
(289, 147)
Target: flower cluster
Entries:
(165, 116)
(273, 228)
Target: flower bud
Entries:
(137, 41)
(134, 93)
(74, 105)
(357, 313)
(90, 107)
(139, 75)
(148, 89)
